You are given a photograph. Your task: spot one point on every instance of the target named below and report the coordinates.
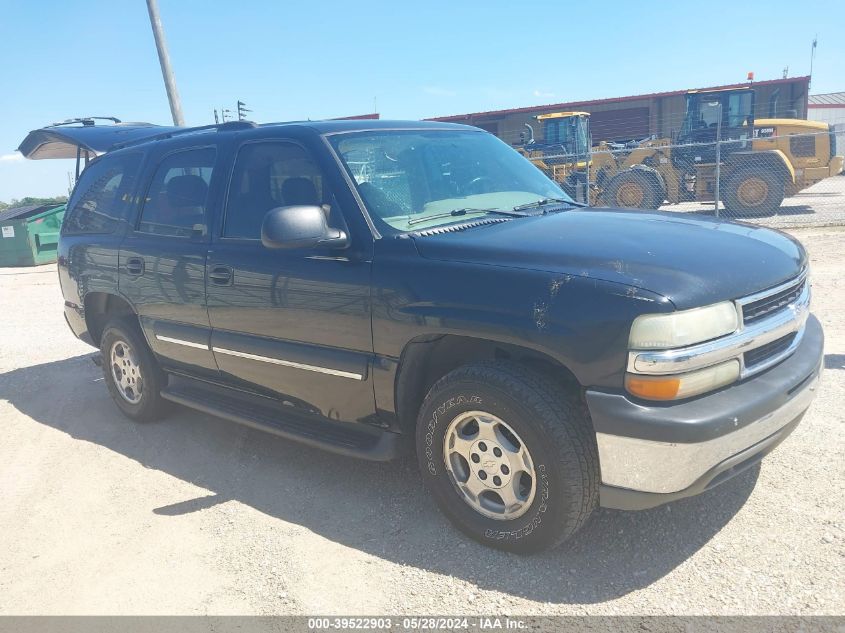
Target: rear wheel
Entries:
(754, 192)
(131, 373)
(508, 456)
(634, 189)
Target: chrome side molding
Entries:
(179, 341)
(289, 363)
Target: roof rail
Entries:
(86, 120)
(219, 127)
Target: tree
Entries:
(30, 200)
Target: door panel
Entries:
(169, 297)
(295, 323)
(162, 261)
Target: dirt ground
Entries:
(195, 515)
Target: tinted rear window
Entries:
(103, 195)
(176, 201)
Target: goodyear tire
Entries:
(633, 189)
(508, 456)
(131, 373)
(754, 192)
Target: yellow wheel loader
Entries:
(760, 161)
(564, 150)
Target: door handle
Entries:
(135, 266)
(221, 275)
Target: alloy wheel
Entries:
(489, 465)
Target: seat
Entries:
(249, 204)
(299, 191)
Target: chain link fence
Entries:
(717, 160)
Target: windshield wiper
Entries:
(544, 201)
(456, 212)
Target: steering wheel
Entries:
(481, 184)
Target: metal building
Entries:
(639, 116)
(829, 108)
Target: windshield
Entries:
(570, 132)
(417, 179)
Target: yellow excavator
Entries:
(761, 161)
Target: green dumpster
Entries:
(30, 235)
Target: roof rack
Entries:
(219, 127)
(86, 120)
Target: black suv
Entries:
(372, 287)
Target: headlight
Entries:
(679, 329)
(683, 385)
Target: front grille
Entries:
(766, 306)
(769, 350)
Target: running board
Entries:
(264, 414)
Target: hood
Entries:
(691, 260)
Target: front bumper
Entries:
(654, 453)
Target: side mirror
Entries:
(301, 226)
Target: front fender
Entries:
(581, 322)
(771, 158)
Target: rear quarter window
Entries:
(103, 195)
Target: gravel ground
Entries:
(194, 515)
(821, 205)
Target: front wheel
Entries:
(509, 457)
(754, 192)
(634, 189)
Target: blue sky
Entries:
(295, 60)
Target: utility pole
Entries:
(812, 57)
(716, 193)
(164, 60)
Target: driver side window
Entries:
(266, 176)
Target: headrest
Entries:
(187, 191)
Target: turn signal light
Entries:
(684, 385)
(653, 388)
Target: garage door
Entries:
(619, 125)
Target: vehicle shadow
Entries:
(378, 508)
(798, 209)
(834, 361)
